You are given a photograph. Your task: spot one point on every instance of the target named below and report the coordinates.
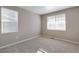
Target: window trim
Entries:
(10, 22)
(55, 21)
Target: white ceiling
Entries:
(44, 9)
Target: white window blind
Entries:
(9, 20)
(56, 22)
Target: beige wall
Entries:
(29, 25)
(72, 25)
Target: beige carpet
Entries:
(42, 45)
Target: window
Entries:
(56, 22)
(9, 21)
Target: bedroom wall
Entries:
(29, 25)
(72, 25)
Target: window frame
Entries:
(64, 29)
(15, 21)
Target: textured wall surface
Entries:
(72, 25)
(29, 24)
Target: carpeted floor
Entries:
(45, 44)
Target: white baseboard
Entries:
(66, 40)
(8, 45)
(70, 41)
